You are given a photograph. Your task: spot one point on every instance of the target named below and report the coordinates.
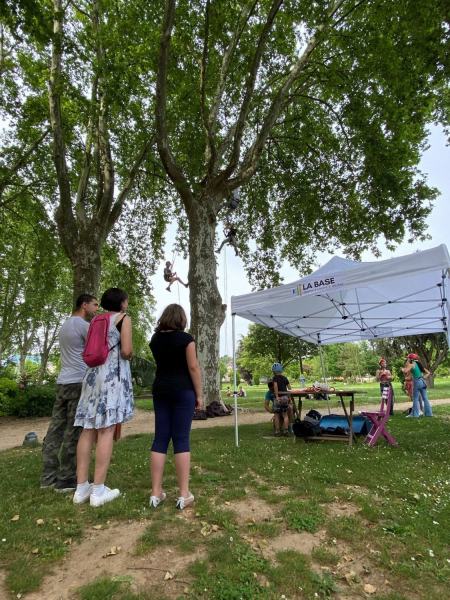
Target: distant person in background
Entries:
(408, 387)
(384, 376)
(419, 385)
(177, 393)
(106, 401)
(281, 384)
(242, 393)
(61, 432)
(228, 392)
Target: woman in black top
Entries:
(177, 393)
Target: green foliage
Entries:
(33, 401)
(325, 585)
(8, 393)
(304, 516)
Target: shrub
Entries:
(8, 392)
(33, 401)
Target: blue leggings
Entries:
(173, 419)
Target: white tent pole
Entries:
(233, 329)
(319, 343)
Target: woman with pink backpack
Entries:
(106, 397)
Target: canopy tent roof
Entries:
(347, 301)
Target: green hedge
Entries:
(31, 401)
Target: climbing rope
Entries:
(225, 295)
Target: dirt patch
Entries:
(85, 563)
(302, 542)
(341, 509)
(252, 508)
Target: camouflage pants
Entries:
(62, 435)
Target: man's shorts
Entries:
(281, 405)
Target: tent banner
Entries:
(317, 285)
(374, 332)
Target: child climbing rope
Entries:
(171, 277)
(230, 239)
(230, 203)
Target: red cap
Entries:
(381, 360)
(413, 356)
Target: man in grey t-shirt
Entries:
(61, 431)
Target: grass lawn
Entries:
(327, 521)
(256, 393)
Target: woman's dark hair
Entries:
(419, 364)
(172, 318)
(112, 299)
(270, 384)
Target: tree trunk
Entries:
(43, 368)
(207, 310)
(430, 381)
(86, 266)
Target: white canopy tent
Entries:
(346, 301)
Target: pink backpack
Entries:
(96, 349)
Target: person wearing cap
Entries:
(384, 376)
(419, 374)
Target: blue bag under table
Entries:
(361, 425)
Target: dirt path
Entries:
(13, 431)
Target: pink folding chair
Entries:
(379, 420)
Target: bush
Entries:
(8, 393)
(33, 401)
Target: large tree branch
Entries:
(251, 161)
(64, 215)
(118, 205)
(249, 90)
(171, 166)
(229, 52)
(20, 162)
(80, 204)
(210, 152)
(107, 166)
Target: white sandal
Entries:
(155, 501)
(181, 502)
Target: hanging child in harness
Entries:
(230, 233)
(231, 203)
(171, 277)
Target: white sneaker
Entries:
(155, 501)
(107, 496)
(420, 413)
(80, 498)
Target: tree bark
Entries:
(207, 310)
(86, 265)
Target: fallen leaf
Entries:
(350, 577)
(250, 520)
(295, 462)
(35, 551)
(215, 528)
(205, 531)
(40, 522)
(15, 518)
(114, 550)
(168, 576)
(68, 542)
(123, 579)
(227, 503)
(262, 544)
(349, 558)
(97, 527)
(369, 589)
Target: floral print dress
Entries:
(107, 392)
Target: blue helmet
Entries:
(277, 368)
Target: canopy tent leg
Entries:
(233, 335)
(323, 370)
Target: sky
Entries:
(231, 275)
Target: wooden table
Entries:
(348, 414)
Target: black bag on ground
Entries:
(215, 409)
(200, 415)
(313, 416)
(306, 428)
